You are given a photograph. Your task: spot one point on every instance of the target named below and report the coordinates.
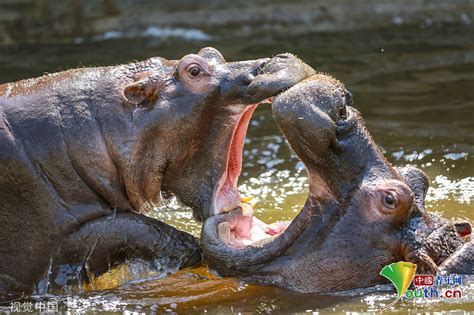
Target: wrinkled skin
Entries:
(438, 245)
(360, 215)
(80, 146)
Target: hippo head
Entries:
(192, 115)
(360, 214)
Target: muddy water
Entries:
(415, 88)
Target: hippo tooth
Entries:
(247, 210)
(247, 199)
(250, 200)
(223, 232)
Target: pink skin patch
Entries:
(244, 229)
(276, 228)
(227, 193)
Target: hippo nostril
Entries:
(245, 79)
(341, 120)
(343, 112)
(259, 69)
(347, 98)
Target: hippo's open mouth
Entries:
(244, 229)
(227, 196)
(239, 231)
(235, 225)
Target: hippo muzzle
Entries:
(360, 214)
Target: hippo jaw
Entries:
(356, 215)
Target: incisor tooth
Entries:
(247, 210)
(223, 232)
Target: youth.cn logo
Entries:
(401, 275)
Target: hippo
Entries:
(85, 153)
(361, 213)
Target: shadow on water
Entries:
(414, 86)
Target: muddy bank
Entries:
(43, 21)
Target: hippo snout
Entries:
(313, 114)
(298, 103)
(278, 74)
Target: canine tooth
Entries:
(247, 210)
(223, 232)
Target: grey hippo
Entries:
(361, 213)
(85, 153)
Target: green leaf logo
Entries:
(400, 274)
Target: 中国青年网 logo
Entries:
(402, 275)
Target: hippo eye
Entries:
(389, 201)
(394, 199)
(194, 71)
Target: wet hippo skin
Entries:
(83, 153)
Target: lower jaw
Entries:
(245, 229)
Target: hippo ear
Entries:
(141, 91)
(463, 228)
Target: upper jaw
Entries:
(277, 75)
(272, 77)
